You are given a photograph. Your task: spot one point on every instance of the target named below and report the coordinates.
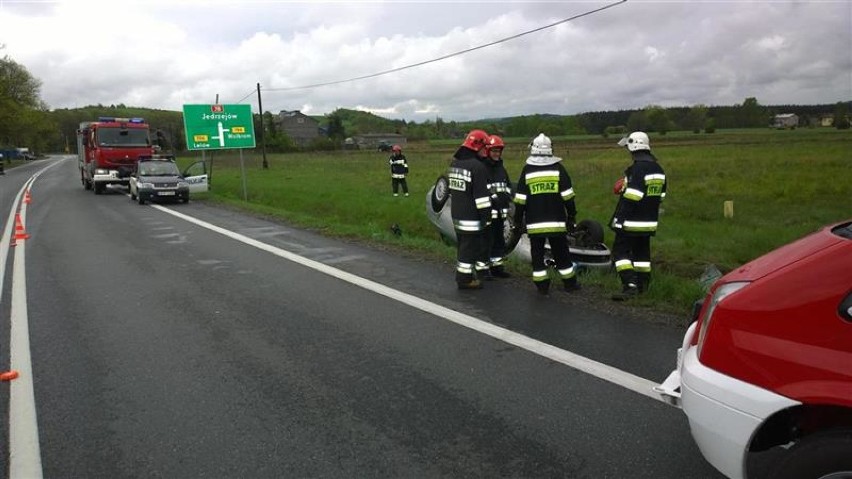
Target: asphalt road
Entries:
(210, 343)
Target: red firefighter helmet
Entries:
(475, 140)
(494, 141)
(396, 149)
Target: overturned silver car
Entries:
(585, 244)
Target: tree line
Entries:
(26, 121)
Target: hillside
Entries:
(654, 119)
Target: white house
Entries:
(785, 120)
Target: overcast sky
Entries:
(164, 54)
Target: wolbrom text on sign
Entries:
(217, 127)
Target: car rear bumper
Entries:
(724, 413)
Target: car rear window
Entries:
(844, 231)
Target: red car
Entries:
(766, 368)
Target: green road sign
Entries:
(218, 127)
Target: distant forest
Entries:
(343, 123)
(26, 121)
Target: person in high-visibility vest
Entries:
(544, 206)
(398, 168)
(501, 199)
(640, 190)
(470, 209)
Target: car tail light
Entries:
(721, 293)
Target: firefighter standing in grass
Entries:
(471, 209)
(399, 168)
(544, 205)
(640, 191)
(501, 198)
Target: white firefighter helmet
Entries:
(541, 145)
(636, 141)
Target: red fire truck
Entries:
(108, 150)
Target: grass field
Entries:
(783, 184)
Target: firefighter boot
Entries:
(467, 281)
(543, 287)
(500, 272)
(472, 284)
(644, 282)
(483, 273)
(571, 284)
(628, 291)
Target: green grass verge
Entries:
(784, 185)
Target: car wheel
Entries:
(440, 193)
(821, 456)
(589, 233)
(510, 234)
(141, 201)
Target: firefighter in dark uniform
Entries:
(544, 206)
(501, 199)
(399, 168)
(640, 190)
(471, 209)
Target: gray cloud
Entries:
(166, 54)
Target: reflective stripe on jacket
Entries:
(544, 199)
(638, 209)
(468, 185)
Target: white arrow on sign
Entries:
(221, 136)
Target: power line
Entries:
(451, 55)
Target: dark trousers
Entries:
(497, 243)
(472, 255)
(396, 182)
(561, 255)
(632, 258)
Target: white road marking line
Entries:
(24, 450)
(581, 363)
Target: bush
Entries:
(614, 130)
(321, 144)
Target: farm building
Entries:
(301, 128)
(785, 120)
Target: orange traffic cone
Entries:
(27, 198)
(20, 234)
(9, 375)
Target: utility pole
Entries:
(262, 133)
